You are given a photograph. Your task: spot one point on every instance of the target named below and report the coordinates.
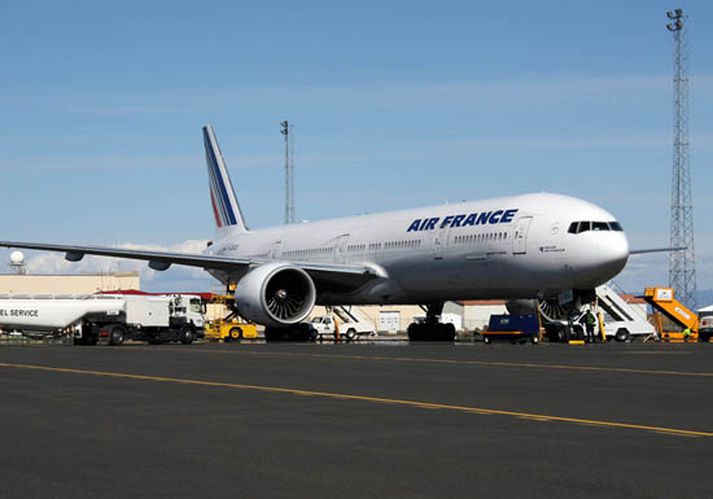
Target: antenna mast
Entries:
(287, 133)
(682, 263)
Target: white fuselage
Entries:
(511, 247)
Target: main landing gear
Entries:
(431, 329)
(298, 332)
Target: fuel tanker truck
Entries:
(105, 318)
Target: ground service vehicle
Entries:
(230, 329)
(106, 318)
(705, 329)
(664, 303)
(515, 328)
(349, 324)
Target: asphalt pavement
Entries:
(357, 420)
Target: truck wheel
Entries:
(116, 336)
(622, 335)
(351, 334)
(235, 333)
(187, 335)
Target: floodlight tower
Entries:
(286, 132)
(682, 263)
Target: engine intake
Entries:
(276, 294)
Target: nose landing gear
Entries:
(431, 329)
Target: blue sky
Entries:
(395, 104)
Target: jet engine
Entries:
(520, 306)
(276, 294)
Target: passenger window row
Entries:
(579, 227)
(352, 248)
(309, 252)
(479, 238)
(407, 243)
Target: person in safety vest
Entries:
(589, 322)
(686, 334)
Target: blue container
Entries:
(527, 324)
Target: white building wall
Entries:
(68, 284)
(478, 316)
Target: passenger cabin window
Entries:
(579, 227)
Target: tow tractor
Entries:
(232, 327)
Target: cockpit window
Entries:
(579, 227)
(600, 226)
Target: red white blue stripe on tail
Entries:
(222, 196)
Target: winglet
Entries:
(225, 204)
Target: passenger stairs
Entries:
(618, 309)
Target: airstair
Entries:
(664, 303)
(623, 318)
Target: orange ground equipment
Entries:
(664, 303)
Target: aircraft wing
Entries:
(327, 276)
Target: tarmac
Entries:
(357, 420)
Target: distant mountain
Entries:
(704, 297)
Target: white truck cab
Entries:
(189, 307)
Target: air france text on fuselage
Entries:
(463, 220)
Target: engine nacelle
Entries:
(521, 307)
(276, 294)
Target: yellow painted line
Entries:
(480, 363)
(420, 404)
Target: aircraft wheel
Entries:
(487, 340)
(274, 334)
(448, 332)
(414, 332)
(312, 336)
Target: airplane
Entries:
(532, 246)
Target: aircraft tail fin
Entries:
(225, 204)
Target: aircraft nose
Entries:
(614, 252)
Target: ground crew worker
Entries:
(590, 321)
(686, 334)
(336, 330)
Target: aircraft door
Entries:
(440, 239)
(275, 250)
(340, 249)
(519, 237)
